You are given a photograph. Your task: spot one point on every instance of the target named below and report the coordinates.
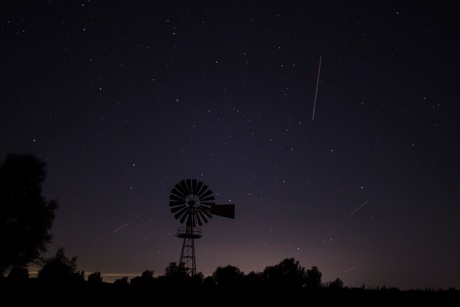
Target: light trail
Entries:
(119, 228)
(316, 91)
(359, 207)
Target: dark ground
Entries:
(106, 294)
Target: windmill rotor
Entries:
(191, 202)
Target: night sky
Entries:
(125, 99)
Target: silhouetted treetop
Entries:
(228, 276)
(60, 268)
(313, 278)
(26, 217)
(288, 273)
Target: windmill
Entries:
(192, 204)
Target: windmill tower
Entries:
(192, 204)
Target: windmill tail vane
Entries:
(225, 210)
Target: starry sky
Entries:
(125, 99)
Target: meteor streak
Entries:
(121, 227)
(350, 269)
(359, 207)
(316, 91)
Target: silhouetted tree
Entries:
(121, 282)
(95, 278)
(337, 284)
(26, 217)
(228, 276)
(253, 280)
(60, 269)
(18, 275)
(196, 280)
(209, 283)
(173, 269)
(287, 274)
(148, 274)
(145, 280)
(175, 275)
(313, 278)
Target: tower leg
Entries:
(187, 255)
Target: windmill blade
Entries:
(184, 188)
(197, 218)
(205, 210)
(200, 188)
(207, 204)
(188, 183)
(207, 195)
(185, 216)
(177, 208)
(194, 187)
(177, 191)
(201, 214)
(175, 198)
(182, 212)
(225, 210)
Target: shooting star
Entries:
(359, 207)
(316, 91)
(350, 269)
(121, 227)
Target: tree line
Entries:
(288, 274)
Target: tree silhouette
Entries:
(254, 280)
(175, 275)
(26, 217)
(18, 275)
(173, 269)
(287, 274)
(145, 280)
(337, 284)
(60, 269)
(313, 278)
(209, 283)
(95, 278)
(228, 276)
(121, 282)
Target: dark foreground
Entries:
(109, 294)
